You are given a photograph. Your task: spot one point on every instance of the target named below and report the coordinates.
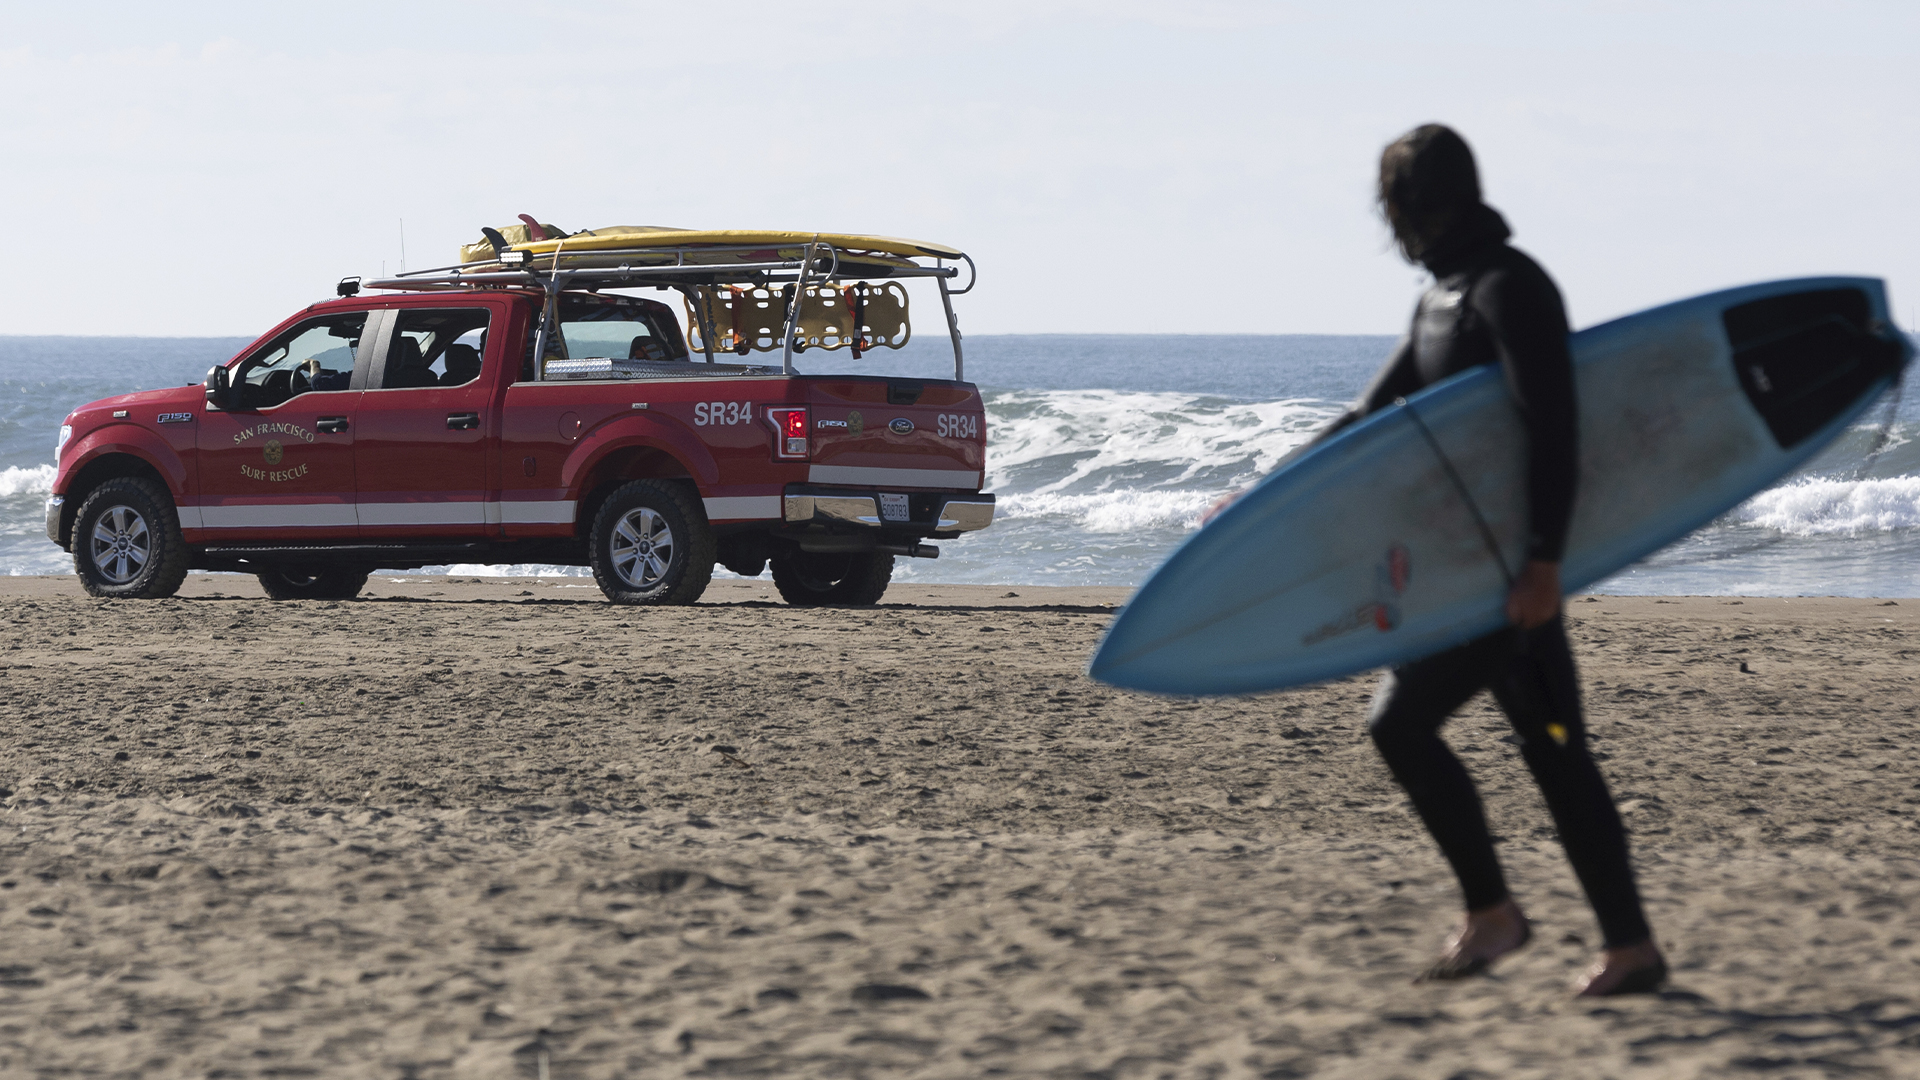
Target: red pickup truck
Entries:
(510, 410)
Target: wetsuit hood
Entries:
(1471, 239)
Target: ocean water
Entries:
(1105, 450)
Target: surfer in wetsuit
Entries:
(1491, 304)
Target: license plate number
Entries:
(893, 508)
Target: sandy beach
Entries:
(475, 828)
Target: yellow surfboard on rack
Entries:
(632, 237)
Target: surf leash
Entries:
(1460, 486)
(1523, 658)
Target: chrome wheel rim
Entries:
(121, 544)
(642, 548)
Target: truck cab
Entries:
(545, 402)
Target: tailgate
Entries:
(901, 433)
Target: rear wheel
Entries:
(312, 582)
(815, 578)
(127, 542)
(651, 544)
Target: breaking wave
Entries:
(1824, 507)
(1082, 441)
(28, 480)
(1111, 512)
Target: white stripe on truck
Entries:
(548, 512)
(423, 513)
(739, 507)
(317, 515)
(864, 476)
(270, 515)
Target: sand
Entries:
(474, 828)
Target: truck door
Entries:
(278, 468)
(425, 424)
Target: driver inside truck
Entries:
(316, 355)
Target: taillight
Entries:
(789, 432)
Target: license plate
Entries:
(893, 508)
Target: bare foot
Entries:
(1634, 969)
(1485, 936)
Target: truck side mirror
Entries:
(219, 391)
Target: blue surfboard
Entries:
(1376, 546)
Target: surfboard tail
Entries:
(1806, 358)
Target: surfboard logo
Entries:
(1392, 576)
(1397, 571)
(1377, 615)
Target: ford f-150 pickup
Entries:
(513, 409)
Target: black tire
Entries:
(312, 582)
(839, 579)
(127, 543)
(638, 521)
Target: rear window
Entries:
(618, 328)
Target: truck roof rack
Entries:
(685, 268)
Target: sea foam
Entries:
(1828, 507)
(26, 480)
(1065, 441)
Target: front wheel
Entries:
(127, 543)
(817, 578)
(312, 582)
(651, 545)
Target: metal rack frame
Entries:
(821, 264)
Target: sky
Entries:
(1113, 167)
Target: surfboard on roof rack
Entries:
(647, 237)
(655, 245)
(746, 290)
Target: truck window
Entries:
(435, 348)
(315, 355)
(618, 328)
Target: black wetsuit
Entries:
(1492, 304)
